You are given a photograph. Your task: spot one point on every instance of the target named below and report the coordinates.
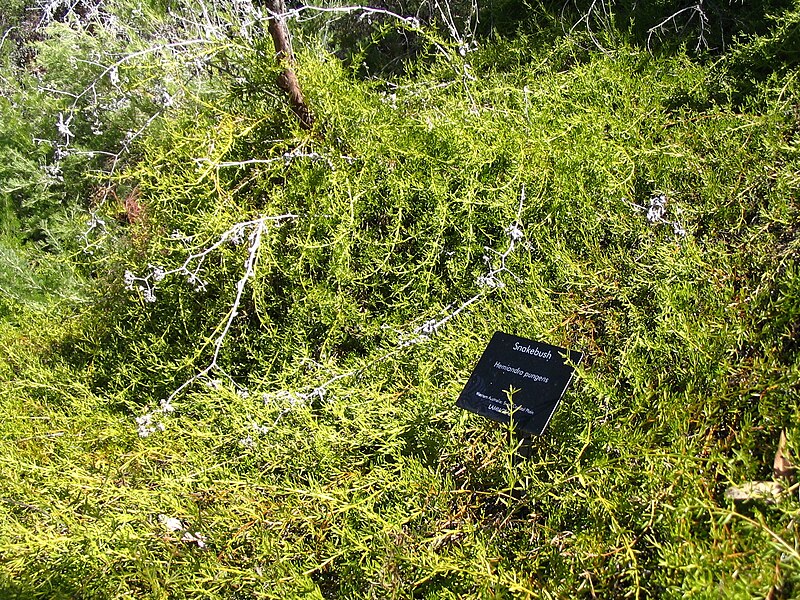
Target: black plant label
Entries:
(519, 379)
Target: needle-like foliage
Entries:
(255, 395)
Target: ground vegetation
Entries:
(231, 341)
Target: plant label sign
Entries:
(534, 375)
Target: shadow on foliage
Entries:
(669, 25)
(377, 45)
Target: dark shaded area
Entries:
(668, 25)
(378, 45)
(370, 44)
(773, 54)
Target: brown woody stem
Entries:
(287, 80)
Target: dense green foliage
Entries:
(335, 464)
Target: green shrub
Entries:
(333, 462)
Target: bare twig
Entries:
(148, 423)
(297, 13)
(695, 10)
(657, 210)
(599, 11)
(286, 158)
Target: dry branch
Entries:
(287, 80)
